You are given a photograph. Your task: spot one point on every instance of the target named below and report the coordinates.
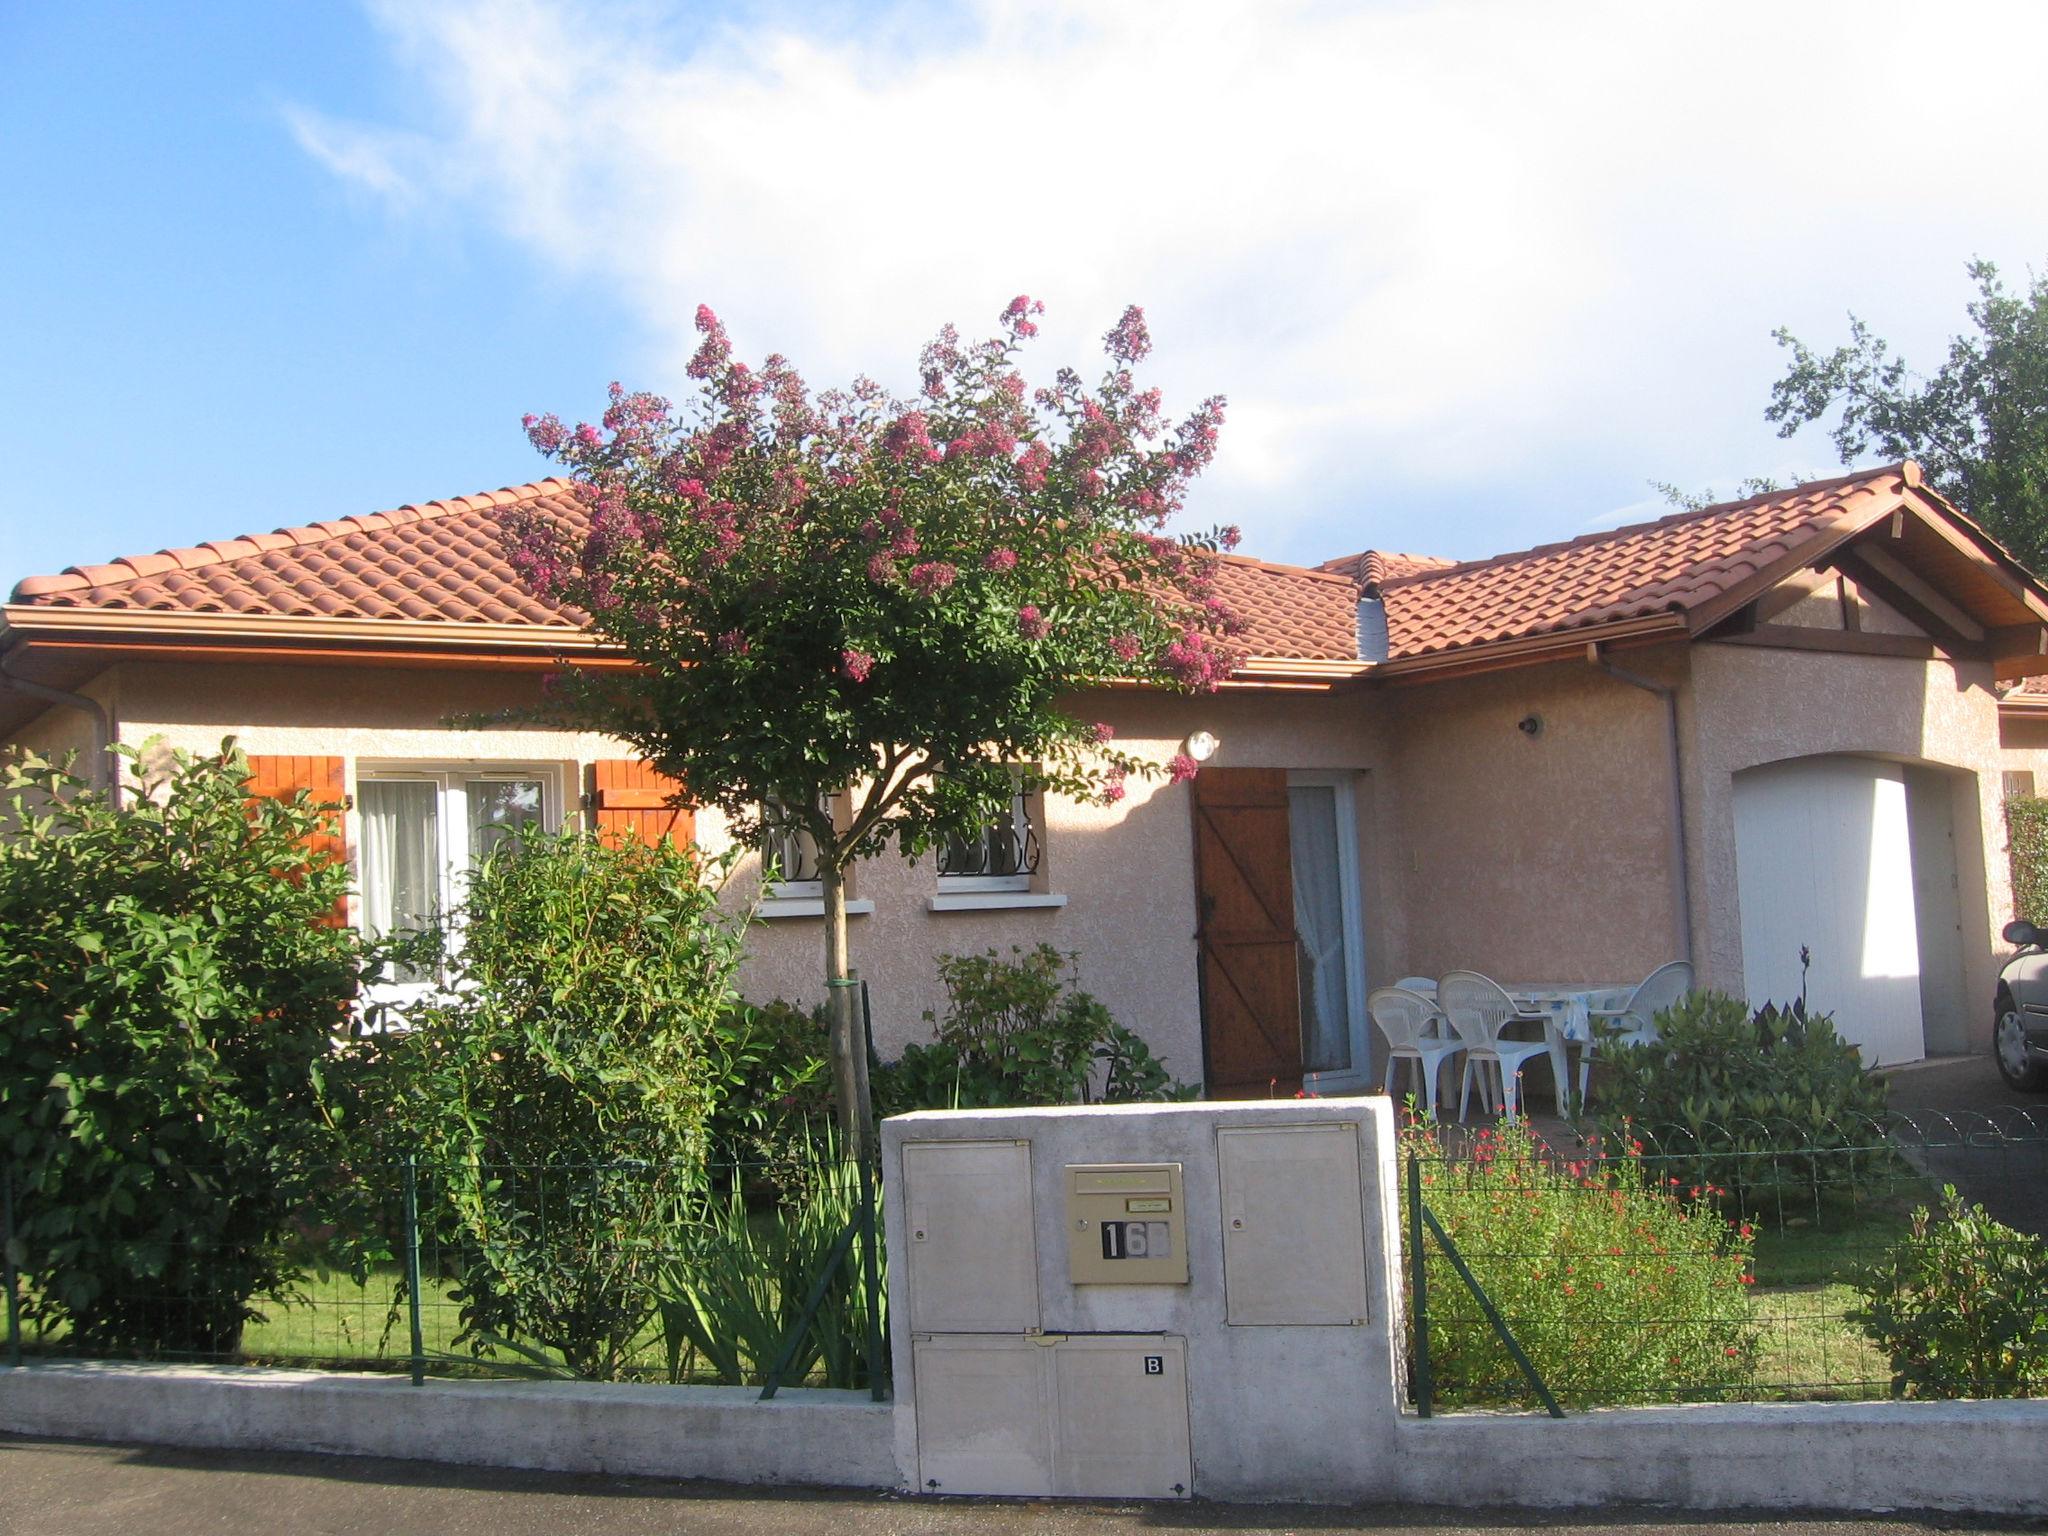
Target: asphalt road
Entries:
(66, 1488)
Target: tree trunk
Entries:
(849, 1044)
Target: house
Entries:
(1766, 736)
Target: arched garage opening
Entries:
(1853, 859)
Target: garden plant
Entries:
(1620, 1288)
(558, 1089)
(175, 997)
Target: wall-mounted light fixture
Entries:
(1530, 725)
(1201, 746)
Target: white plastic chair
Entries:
(1408, 1020)
(1479, 1008)
(1635, 1021)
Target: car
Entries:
(2019, 1033)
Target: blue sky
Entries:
(1470, 272)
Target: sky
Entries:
(1471, 274)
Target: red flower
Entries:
(1030, 624)
(1182, 768)
(856, 665)
(999, 560)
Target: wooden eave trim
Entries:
(28, 619)
(1813, 551)
(1530, 650)
(1847, 642)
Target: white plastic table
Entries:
(1566, 1010)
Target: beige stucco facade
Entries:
(1541, 854)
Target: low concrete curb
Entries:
(1983, 1457)
(804, 1436)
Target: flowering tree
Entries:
(850, 592)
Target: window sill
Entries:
(992, 901)
(806, 906)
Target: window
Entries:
(423, 830)
(1004, 857)
(788, 844)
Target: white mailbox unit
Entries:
(1143, 1301)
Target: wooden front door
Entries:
(1244, 904)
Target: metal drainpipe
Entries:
(103, 773)
(1681, 883)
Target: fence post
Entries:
(7, 1247)
(870, 1266)
(412, 1269)
(1425, 1386)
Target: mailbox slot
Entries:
(1126, 1224)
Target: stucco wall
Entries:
(1534, 858)
(1751, 705)
(1127, 872)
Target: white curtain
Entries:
(1319, 925)
(401, 855)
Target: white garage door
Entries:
(1823, 858)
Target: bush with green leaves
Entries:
(172, 989)
(1018, 1032)
(1619, 1290)
(1960, 1304)
(2026, 827)
(775, 1103)
(1771, 1104)
(558, 1088)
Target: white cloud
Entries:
(1472, 244)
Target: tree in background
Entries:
(1978, 424)
(886, 599)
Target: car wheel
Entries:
(2009, 1046)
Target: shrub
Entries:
(1770, 1104)
(775, 1102)
(1618, 1291)
(2026, 827)
(172, 991)
(560, 1085)
(1961, 1306)
(1017, 1032)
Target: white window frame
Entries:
(795, 890)
(452, 781)
(1020, 814)
(1358, 1077)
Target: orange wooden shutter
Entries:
(1250, 967)
(636, 802)
(280, 777)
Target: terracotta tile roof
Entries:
(1374, 568)
(1291, 613)
(1677, 564)
(439, 560)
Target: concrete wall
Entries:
(806, 1436)
(1533, 858)
(1745, 706)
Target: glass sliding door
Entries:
(1330, 953)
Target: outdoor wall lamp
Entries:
(1201, 746)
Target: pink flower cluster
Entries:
(1196, 661)
(1128, 341)
(715, 351)
(1113, 786)
(733, 643)
(1017, 315)
(856, 665)
(1126, 647)
(909, 437)
(1031, 624)
(932, 577)
(999, 560)
(1182, 768)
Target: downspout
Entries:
(1681, 882)
(103, 774)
